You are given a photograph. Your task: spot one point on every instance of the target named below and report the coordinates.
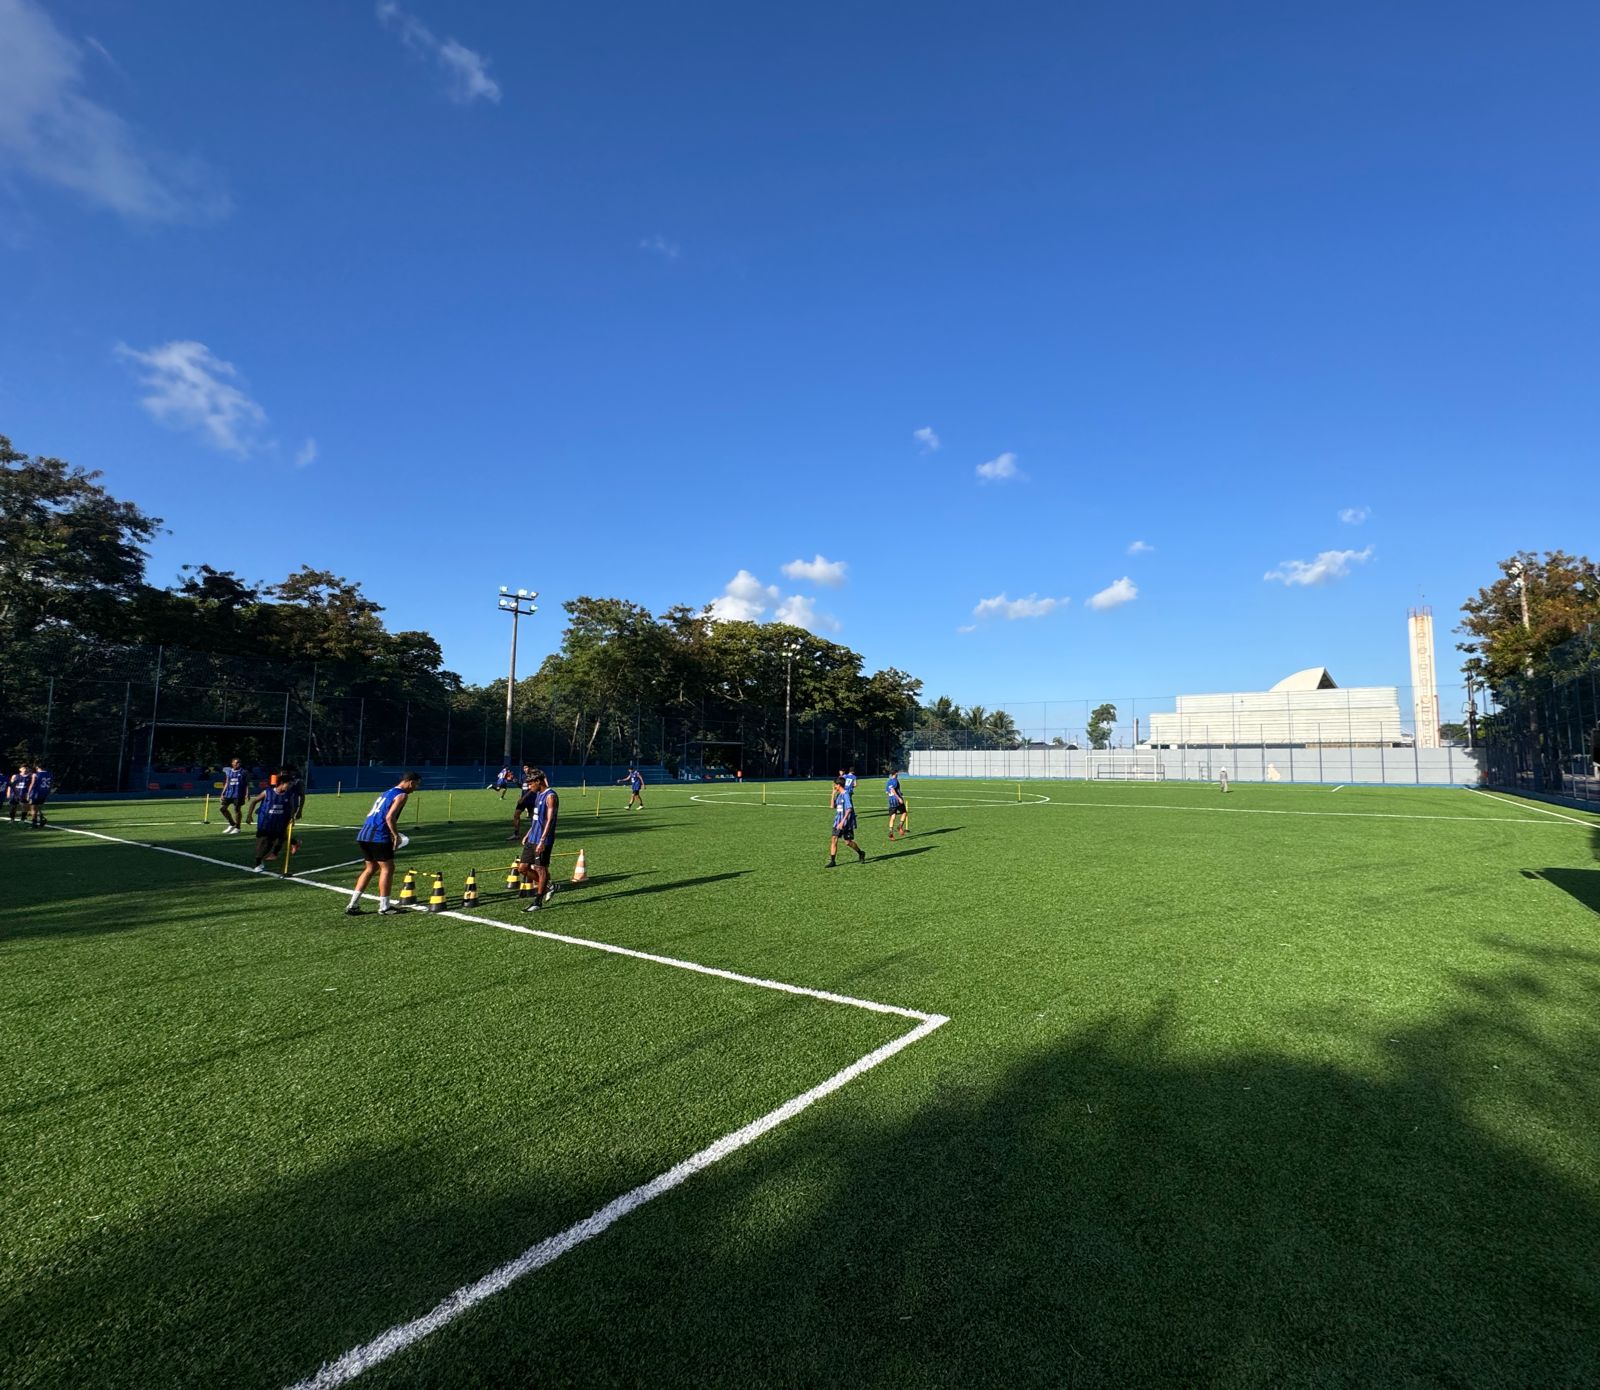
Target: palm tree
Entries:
(1003, 729)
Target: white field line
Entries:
(1543, 811)
(1222, 810)
(1340, 787)
(792, 805)
(565, 940)
(398, 1338)
(327, 868)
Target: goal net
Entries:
(1125, 765)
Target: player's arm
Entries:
(391, 822)
(549, 831)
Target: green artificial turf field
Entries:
(1292, 1087)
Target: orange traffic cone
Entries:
(580, 870)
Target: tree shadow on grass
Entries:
(1582, 884)
(1118, 1207)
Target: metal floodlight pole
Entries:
(790, 651)
(519, 605)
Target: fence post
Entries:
(155, 711)
(361, 729)
(122, 743)
(49, 709)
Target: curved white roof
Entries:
(1312, 678)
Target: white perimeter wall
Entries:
(1406, 767)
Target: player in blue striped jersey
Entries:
(273, 810)
(17, 792)
(41, 782)
(235, 787)
(899, 808)
(534, 862)
(378, 839)
(844, 823)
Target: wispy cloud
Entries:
(1140, 548)
(801, 611)
(465, 70)
(999, 469)
(306, 454)
(1354, 516)
(1115, 594)
(190, 389)
(1328, 566)
(1013, 608)
(744, 599)
(829, 573)
(667, 250)
(51, 129)
(967, 627)
(927, 438)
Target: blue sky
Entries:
(653, 301)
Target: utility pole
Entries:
(519, 605)
(791, 649)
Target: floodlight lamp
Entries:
(503, 589)
(522, 593)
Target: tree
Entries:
(1453, 733)
(1100, 725)
(1563, 596)
(70, 552)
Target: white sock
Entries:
(355, 898)
(383, 900)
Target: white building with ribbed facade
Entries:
(1308, 708)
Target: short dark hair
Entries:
(536, 774)
(411, 777)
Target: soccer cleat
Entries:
(549, 892)
(532, 907)
(831, 864)
(353, 910)
(393, 910)
(257, 869)
(861, 856)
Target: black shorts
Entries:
(845, 826)
(232, 800)
(526, 800)
(377, 851)
(270, 846)
(898, 808)
(539, 857)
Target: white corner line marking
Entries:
(350, 1365)
(1543, 811)
(347, 1367)
(1340, 787)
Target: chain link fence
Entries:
(1544, 737)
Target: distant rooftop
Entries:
(1312, 678)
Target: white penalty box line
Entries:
(396, 1339)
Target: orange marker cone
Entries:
(580, 870)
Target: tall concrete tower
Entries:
(1424, 683)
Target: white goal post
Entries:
(1124, 765)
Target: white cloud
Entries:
(927, 438)
(306, 454)
(744, 599)
(1328, 566)
(1141, 548)
(801, 611)
(189, 389)
(999, 469)
(667, 250)
(51, 129)
(466, 71)
(829, 573)
(967, 627)
(1013, 608)
(1115, 594)
(1354, 516)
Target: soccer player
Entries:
(233, 796)
(1222, 779)
(541, 838)
(504, 780)
(844, 824)
(271, 807)
(635, 781)
(17, 792)
(41, 782)
(898, 806)
(524, 803)
(849, 780)
(378, 838)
